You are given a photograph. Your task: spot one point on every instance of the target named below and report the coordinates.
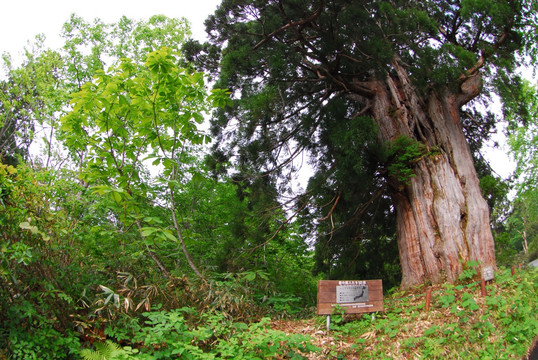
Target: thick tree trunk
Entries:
(442, 218)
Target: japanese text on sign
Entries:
(352, 294)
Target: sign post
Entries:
(355, 296)
(487, 275)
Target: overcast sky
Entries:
(22, 20)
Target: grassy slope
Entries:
(460, 324)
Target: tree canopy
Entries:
(306, 77)
(279, 55)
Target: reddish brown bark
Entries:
(442, 218)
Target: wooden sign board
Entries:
(356, 296)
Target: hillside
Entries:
(460, 324)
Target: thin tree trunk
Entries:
(524, 236)
(442, 218)
(180, 236)
(176, 225)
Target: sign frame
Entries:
(332, 293)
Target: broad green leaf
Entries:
(116, 196)
(147, 231)
(250, 276)
(169, 235)
(101, 189)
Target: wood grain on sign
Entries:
(356, 296)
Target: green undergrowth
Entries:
(170, 334)
(460, 323)
(225, 317)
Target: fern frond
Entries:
(103, 351)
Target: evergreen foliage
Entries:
(299, 74)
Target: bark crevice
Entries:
(442, 219)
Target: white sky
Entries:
(22, 20)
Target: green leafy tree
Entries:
(523, 224)
(132, 114)
(235, 235)
(301, 72)
(30, 99)
(522, 111)
(523, 141)
(108, 146)
(89, 46)
(41, 278)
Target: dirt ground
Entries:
(320, 338)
